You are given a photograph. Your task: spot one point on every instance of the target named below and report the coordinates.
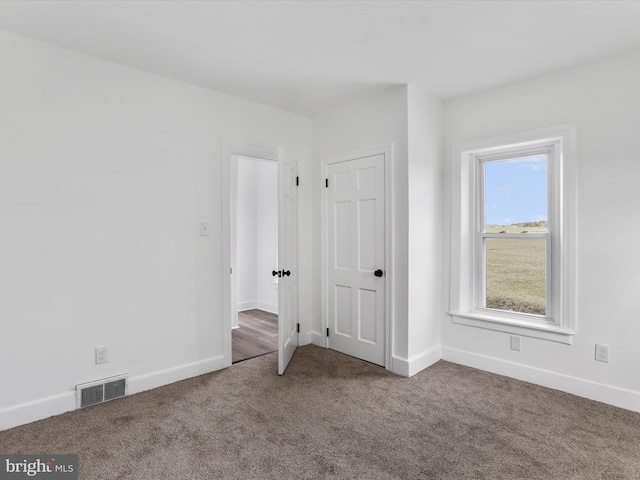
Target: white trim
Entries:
(390, 228)
(318, 339)
(305, 338)
(170, 375)
(244, 306)
(465, 272)
(28, 412)
(610, 394)
(31, 411)
(387, 151)
(229, 150)
(526, 329)
(417, 363)
(267, 307)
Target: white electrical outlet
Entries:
(515, 343)
(102, 355)
(602, 353)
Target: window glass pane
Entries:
(516, 274)
(516, 195)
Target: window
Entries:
(515, 231)
(513, 234)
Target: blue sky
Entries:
(516, 190)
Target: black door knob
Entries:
(278, 273)
(378, 273)
(286, 273)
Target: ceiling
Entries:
(310, 56)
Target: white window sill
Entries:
(513, 326)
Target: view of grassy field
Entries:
(516, 270)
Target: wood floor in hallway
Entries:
(257, 335)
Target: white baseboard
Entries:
(37, 410)
(267, 307)
(317, 339)
(304, 339)
(616, 396)
(174, 374)
(417, 363)
(243, 306)
(63, 402)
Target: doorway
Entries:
(254, 258)
(287, 246)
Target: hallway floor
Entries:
(257, 335)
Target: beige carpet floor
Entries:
(332, 416)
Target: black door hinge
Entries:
(298, 327)
(297, 181)
(326, 182)
(327, 331)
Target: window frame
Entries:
(468, 288)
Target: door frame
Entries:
(387, 152)
(229, 176)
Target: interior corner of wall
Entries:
(417, 363)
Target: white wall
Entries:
(378, 121)
(426, 224)
(602, 99)
(105, 174)
(267, 235)
(257, 236)
(247, 230)
(411, 120)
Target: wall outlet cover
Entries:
(602, 353)
(515, 343)
(102, 355)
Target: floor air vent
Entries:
(101, 390)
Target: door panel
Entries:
(355, 235)
(287, 262)
(367, 309)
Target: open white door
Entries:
(233, 232)
(287, 261)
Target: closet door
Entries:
(355, 239)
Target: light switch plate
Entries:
(204, 229)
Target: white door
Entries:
(287, 262)
(356, 258)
